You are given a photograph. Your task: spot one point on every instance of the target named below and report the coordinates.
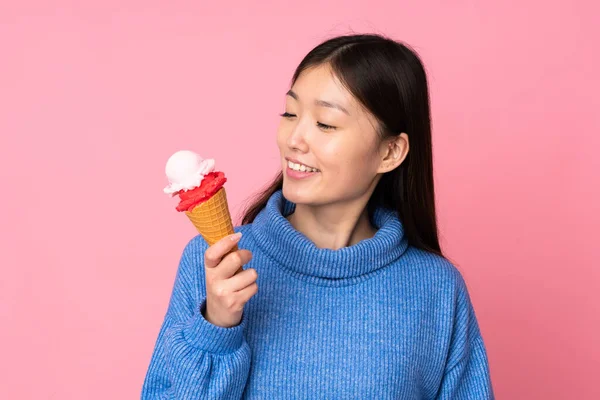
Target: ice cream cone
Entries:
(212, 219)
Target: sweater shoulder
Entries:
(434, 265)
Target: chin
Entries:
(294, 194)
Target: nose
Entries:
(297, 139)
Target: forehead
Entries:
(320, 83)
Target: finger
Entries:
(230, 264)
(242, 280)
(245, 294)
(214, 254)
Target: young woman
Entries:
(356, 299)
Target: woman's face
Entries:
(324, 127)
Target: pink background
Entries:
(95, 98)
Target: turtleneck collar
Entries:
(281, 241)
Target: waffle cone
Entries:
(212, 219)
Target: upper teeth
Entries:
(300, 167)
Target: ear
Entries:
(393, 152)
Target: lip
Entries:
(299, 162)
(298, 174)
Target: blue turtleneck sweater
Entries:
(376, 320)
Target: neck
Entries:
(292, 250)
(333, 226)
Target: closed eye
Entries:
(320, 125)
(326, 127)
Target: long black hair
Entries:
(389, 79)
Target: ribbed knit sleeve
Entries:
(192, 358)
(466, 375)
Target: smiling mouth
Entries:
(301, 168)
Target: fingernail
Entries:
(236, 237)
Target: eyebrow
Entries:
(321, 103)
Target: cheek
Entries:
(341, 165)
(349, 168)
(341, 153)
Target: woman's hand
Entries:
(228, 286)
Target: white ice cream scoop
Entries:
(185, 171)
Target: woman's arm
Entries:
(467, 373)
(192, 358)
